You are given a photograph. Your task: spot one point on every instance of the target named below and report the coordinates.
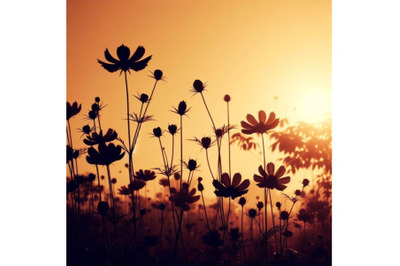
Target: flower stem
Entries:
(229, 139)
(205, 211)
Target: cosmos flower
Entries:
(106, 154)
(233, 189)
(137, 184)
(97, 138)
(71, 153)
(184, 197)
(125, 63)
(164, 182)
(305, 216)
(261, 126)
(124, 190)
(73, 109)
(272, 179)
(145, 175)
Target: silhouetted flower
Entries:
(191, 165)
(287, 233)
(97, 99)
(137, 184)
(162, 206)
(183, 197)
(97, 138)
(270, 179)
(92, 115)
(142, 211)
(145, 175)
(71, 153)
(306, 182)
(86, 129)
(125, 63)
(278, 205)
(142, 97)
(252, 213)
(177, 176)
(260, 205)
(233, 189)
(212, 239)
(71, 186)
(106, 154)
(158, 75)
(205, 142)
(73, 109)
(305, 216)
(164, 182)
(157, 132)
(242, 201)
(297, 192)
(261, 126)
(103, 207)
(284, 215)
(95, 107)
(124, 190)
(200, 186)
(172, 129)
(114, 180)
(198, 86)
(227, 98)
(182, 109)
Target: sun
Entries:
(314, 106)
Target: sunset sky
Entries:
(267, 55)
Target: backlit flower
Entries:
(184, 197)
(137, 184)
(212, 239)
(97, 138)
(73, 109)
(198, 86)
(125, 62)
(305, 216)
(233, 189)
(145, 175)
(272, 179)
(172, 129)
(158, 75)
(182, 109)
(124, 190)
(261, 126)
(105, 155)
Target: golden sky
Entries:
(253, 50)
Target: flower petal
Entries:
(271, 118)
(252, 120)
(273, 125)
(109, 57)
(245, 184)
(123, 53)
(137, 66)
(225, 179)
(137, 54)
(270, 169)
(236, 179)
(109, 67)
(281, 171)
(248, 131)
(262, 171)
(262, 116)
(284, 180)
(245, 125)
(258, 178)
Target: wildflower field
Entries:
(181, 212)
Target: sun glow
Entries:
(313, 106)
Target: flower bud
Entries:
(158, 74)
(198, 85)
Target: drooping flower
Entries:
(145, 175)
(233, 189)
(97, 138)
(125, 63)
(105, 155)
(272, 179)
(261, 126)
(73, 109)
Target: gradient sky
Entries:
(268, 55)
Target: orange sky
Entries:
(252, 50)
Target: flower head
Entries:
(137, 184)
(124, 190)
(73, 109)
(227, 98)
(172, 129)
(242, 201)
(233, 189)
(142, 97)
(191, 165)
(182, 109)
(198, 86)
(145, 175)
(284, 215)
(125, 62)
(306, 182)
(212, 239)
(103, 207)
(105, 155)
(261, 126)
(157, 132)
(164, 182)
(158, 75)
(86, 129)
(260, 205)
(184, 197)
(272, 179)
(97, 138)
(305, 216)
(252, 213)
(71, 153)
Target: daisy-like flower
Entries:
(233, 189)
(125, 62)
(73, 109)
(261, 126)
(185, 197)
(137, 184)
(272, 179)
(164, 182)
(106, 154)
(97, 138)
(124, 190)
(145, 175)
(305, 216)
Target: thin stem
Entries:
(172, 152)
(273, 219)
(229, 139)
(181, 131)
(205, 211)
(205, 104)
(209, 166)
